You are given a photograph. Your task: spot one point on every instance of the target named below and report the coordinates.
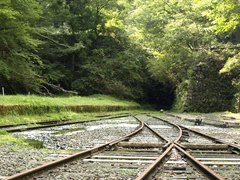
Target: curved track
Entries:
(197, 143)
(46, 124)
(158, 149)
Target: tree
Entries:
(223, 14)
(17, 46)
(171, 31)
(85, 47)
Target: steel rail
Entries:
(153, 168)
(63, 120)
(176, 125)
(39, 122)
(29, 174)
(155, 132)
(203, 134)
(212, 137)
(206, 135)
(198, 165)
(59, 124)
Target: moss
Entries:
(180, 98)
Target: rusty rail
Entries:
(53, 125)
(176, 125)
(155, 132)
(213, 138)
(198, 165)
(147, 174)
(29, 174)
(153, 168)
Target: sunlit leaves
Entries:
(171, 30)
(232, 63)
(224, 14)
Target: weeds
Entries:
(97, 99)
(126, 171)
(202, 154)
(16, 106)
(13, 148)
(3, 132)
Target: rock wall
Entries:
(209, 91)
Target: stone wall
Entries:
(209, 91)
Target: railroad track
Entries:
(157, 149)
(11, 128)
(220, 156)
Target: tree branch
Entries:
(53, 41)
(169, 6)
(53, 86)
(100, 8)
(7, 28)
(59, 88)
(40, 85)
(189, 45)
(215, 48)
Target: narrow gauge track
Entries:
(46, 124)
(71, 160)
(131, 159)
(220, 156)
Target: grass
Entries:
(63, 101)
(6, 137)
(15, 109)
(16, 119)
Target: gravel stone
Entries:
(14, 160)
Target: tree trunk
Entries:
(73, 54)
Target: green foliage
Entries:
(17, 47)
(181, 97)
(10, 138)
(115, 47)
(74, 100)
(224, 14)
(178, 33)
(105, 61)
(3, 132)
(171, 31)
(120, 74)
(231, 64)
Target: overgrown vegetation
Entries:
(179, 33)
(10, 138)
(96, 99)
(21, 108)
(125, 48)
(17, 119)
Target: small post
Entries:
(238, 101)
(3, 91)
(29, 94)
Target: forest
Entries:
(143, 50)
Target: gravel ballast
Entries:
(14, 160)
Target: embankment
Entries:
(40, 109)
